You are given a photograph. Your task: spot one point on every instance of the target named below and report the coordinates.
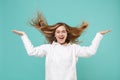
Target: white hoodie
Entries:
(61, 59)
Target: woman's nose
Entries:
(61, 33)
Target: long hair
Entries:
(73, 33)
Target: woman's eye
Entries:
(57, 32)
(64, 31)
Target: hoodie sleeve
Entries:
(39, 51)
(86, 51)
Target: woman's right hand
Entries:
(18, 32)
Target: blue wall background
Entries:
(15, 64)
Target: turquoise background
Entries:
(15, 64)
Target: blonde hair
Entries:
(73, 33)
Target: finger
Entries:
(17, 32)
(14, 31)
(108, 31)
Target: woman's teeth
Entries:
(61, 37)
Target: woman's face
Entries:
(61, 34)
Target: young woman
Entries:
(62, 52)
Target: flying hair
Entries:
(73, 33)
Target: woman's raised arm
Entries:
(31, 50)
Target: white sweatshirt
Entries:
(61, 59)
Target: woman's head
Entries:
(59, 32)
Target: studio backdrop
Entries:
(15, 64)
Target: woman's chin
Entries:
(62, 43)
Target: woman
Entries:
(62, 52)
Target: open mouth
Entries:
(61, 38)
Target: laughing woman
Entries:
(62, 52)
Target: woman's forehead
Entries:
(61, 28)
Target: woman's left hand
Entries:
(104, 32)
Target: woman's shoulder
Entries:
(75, 45)
(46, 45)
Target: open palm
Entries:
(18, 32)
(104, 32)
